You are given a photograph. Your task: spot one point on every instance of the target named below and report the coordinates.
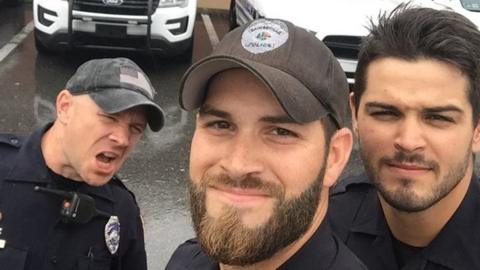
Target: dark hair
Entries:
(412, 33)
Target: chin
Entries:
(98, 181)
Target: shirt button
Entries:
(53, 259)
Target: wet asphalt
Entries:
(157, 169)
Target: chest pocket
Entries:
(86, 263)
(97, 259)
(12, 258)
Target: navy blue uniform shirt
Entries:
(358, 219)
(32, 233)
(321, 252)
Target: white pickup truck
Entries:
(163, 27)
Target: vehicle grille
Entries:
(128, 7)
(345, 47)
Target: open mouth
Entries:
(106, 157)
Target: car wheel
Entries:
(232, 15)
(41, 48)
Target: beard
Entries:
(228, 241)
(405, 199)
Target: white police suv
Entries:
(340, 24)
(164, 27)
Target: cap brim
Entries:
(117, 100)
(294, 97)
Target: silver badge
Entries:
(112, 234)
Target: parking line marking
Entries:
(212, 35)
(17, 39)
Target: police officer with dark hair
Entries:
(61, 205)
(416, 112)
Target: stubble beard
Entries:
(228, 241)
(405, 199)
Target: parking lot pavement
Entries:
(157, 170)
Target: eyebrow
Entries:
(280, 119)
(435, 109)
(374, 104)
(207, 109)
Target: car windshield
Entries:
(472, 5)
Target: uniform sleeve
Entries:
(132, 255)
(135, 258)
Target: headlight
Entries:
(172, 3)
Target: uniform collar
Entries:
(318, 252)
(456, 246)
(30, 167)
(370, 220)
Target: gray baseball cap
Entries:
(117, 84)
(297, 67)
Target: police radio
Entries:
(76, 207)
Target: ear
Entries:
(338, 155)
(476, 138)
(354, 112)
(64, 104)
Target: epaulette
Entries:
(346, 183)
(10, 139)
(116, 181)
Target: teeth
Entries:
(109, 155)
(106, 157)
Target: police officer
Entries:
(416, 112)
(270, 139)
(61, 205)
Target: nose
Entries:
(243, 157)
(410, 135)
(120, 135)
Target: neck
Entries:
(286, 253)
(52, 143)
(420, 228)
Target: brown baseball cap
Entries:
(297, 67)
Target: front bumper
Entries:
(166, 30)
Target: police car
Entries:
(160, 26)
(340, 24)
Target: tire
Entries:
(232, 15)
(41, 48)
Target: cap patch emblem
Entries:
(264, 36)
(136, 79)
(112, 234)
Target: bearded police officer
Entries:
(270, 139)
(416, 110)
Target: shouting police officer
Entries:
(61, 205)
